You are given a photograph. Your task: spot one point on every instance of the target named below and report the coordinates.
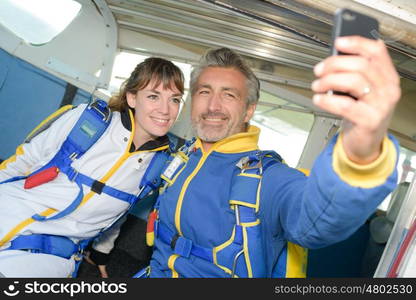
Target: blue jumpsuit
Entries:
(313, 211)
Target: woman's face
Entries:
(156, 109)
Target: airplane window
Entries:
(124, 64)
(406, 165)
(37, 21)
(282, 130)
(406, 169)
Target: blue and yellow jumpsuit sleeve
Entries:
(330, 204)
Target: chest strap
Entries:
(100, 187)
(96, 186)
(181, 245)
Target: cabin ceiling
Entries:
(282, 40)
(270, 31)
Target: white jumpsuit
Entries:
(108, 160)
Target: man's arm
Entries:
(356, 171)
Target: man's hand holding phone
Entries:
(367, 74)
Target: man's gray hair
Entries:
(227, 58)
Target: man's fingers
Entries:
(373, 62)
(373, 50)
(352, 83)
(355, 112)
(361, 46)
(341, 63)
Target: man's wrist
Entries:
(365, 175)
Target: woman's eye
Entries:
(176, 100)
(153, 97)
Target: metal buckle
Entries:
(79, 255)
(248, 167)
(73, 156)
(94, 105)
(244, 164)
(73, 175)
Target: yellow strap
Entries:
(22, 225)
(50, 117)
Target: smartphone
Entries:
(348, 22)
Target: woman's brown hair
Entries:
(153, 68)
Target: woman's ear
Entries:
(131, 99)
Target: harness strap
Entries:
(70, 208)
(181, 245)
(16, 178)
(47, 244)
(143, 273)
(151, 179)
(100, 187)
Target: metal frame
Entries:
(406, 214)
(111, 44)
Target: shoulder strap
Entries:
(245, 184)
(270, 158)
(92, 123)
(293, 259)
(88, 129)
(90, 126)
(175, 142)
(151, 179)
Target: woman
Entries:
(46, 212)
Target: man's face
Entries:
(219, 106)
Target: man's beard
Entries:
(213, 133)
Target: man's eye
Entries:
(203, 92)
(229, 95)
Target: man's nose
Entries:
(215, 102)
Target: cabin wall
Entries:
(28, 95)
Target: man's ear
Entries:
(131, 99)
(250, 112)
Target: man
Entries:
(211, 223)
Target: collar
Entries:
(127, 119)
(153, 144)
(240, 142)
